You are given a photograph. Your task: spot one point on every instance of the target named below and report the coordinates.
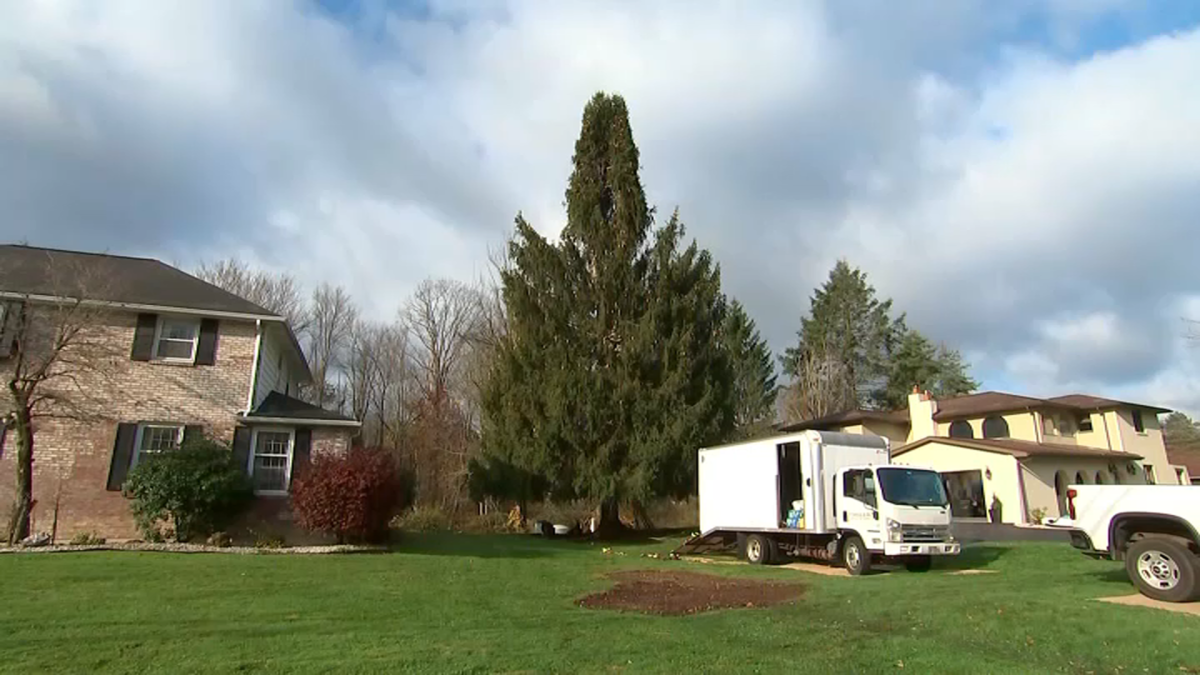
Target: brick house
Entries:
(187, 358)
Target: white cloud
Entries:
(1035, 211)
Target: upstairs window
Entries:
(961, 429)
(995, 427)
(176, 339)
(1084, 423)
(1138, 425)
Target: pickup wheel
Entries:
(919, 563)
(1163, 569)
(760, 550)
(855, 555)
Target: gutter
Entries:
(293, 421)
(137, 307)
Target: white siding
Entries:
(274, 371)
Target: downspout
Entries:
(254, 366)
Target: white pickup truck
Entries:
(1154, 529)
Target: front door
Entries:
(965, 489)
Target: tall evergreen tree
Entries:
(917, 362)
(612, 372)
(1179, 430)
(848, 324)
(754, 390)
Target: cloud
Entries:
(1022, 196)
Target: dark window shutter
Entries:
(302, 450)
(241, 447)
(206, 349)
(193, 432)
(122, 455)
(9, 322)
(143, 337)
(3, 435)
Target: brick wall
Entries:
(72, 456)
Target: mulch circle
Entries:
(681, 593)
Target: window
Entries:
(1084, 423)
(859, 484)
(1138, 425)
(176, 339)
(1079, 479)
(1149, 473)
(961, 429)
(1049, 426)
(1099, 478)
(995, 427)
(155, 439)
(271, 467)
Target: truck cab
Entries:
(896, 512)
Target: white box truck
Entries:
(824, 495)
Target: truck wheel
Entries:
(760, 550)
(855, 555)
(918, 563)
(1162, 569)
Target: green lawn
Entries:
(447, 603)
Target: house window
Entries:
(1099, 478)
(1049, 427)
(176, 339)
(1079, 479)
(155, 439)
(271, 467)
(1149, 473)
(1085, 423)
(1138, 425)
(961, 429)
(995, 427)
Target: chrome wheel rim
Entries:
(754, 550)
(1158, 570)
(853, 557)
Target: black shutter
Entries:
(143, 337)
(206, 349)
(3, 434)
(193, 432)
(241, 447)
(302, 450)
(122, 455)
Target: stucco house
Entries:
(1005, 457)
(187, 358)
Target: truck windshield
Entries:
(912, 487)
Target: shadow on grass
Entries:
(476, 545)
(1117, 576)
(973, 557)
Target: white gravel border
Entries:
(197, 548)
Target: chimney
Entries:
(921, 409)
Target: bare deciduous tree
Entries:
(332, 315)
(822, 386)
(277, 292)
(58, 359)
(443, 316)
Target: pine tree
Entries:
(849, 325)
(612, 372)
(754, 390)
(1179, 430)
(917, 362)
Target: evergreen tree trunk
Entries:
(22, 508)
(609, 523)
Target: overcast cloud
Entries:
(1024, 182)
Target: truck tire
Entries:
(760, 549)
(855, 555)
(1163, 568)
(918, 563)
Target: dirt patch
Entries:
(1140, 600)
(679, 593)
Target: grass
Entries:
(459, 603)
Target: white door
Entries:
(858, 505)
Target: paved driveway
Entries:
(967, 531)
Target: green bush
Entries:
(199, 488)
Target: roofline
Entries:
(316, 422)
(1019, 454)
(138, 307)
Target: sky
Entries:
(1021, 178)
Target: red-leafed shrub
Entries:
(351, 496)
